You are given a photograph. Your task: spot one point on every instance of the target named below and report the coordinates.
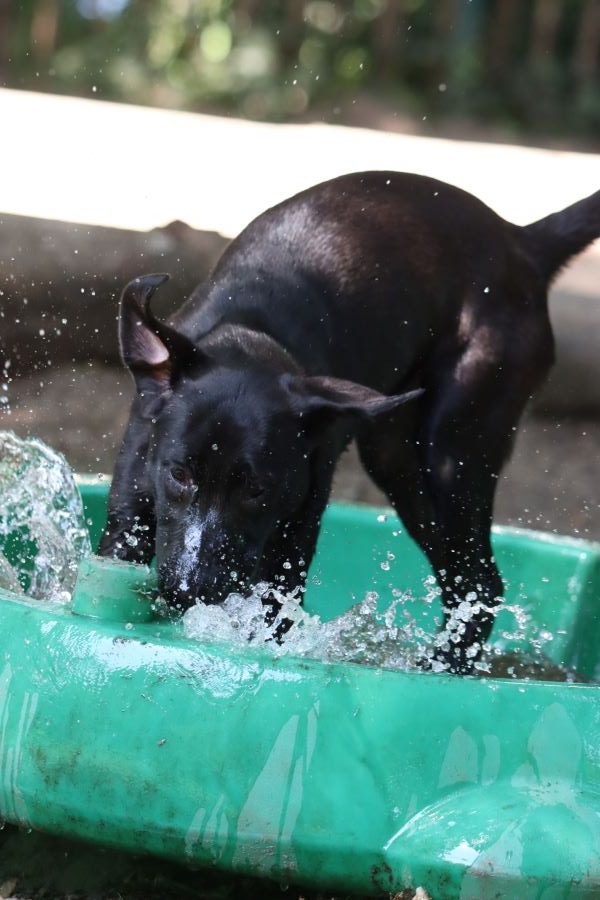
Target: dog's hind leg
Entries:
(444, 496)
(388, 451)
(443, 487)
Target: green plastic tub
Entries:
(117, 729)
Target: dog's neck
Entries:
(238, 346)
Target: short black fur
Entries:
(319, 322)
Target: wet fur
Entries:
(311, 328)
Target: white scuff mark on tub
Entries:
(461, 760)
(5, 680)
(462, 854)
(275, 800)
(311, 730)
(12, 803)
(28, 709)
(210, 830)
(194, 832)
(267, 805)
(216, 832)
(504, 856)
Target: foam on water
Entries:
(42, 527)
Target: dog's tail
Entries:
(558, 237)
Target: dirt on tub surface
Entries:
(35, 866)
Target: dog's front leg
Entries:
(285, 563)
(465, 440)
(130, 529)
(288, 555)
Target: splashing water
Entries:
(391, 638)
(42, 528)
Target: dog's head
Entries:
(232, 447)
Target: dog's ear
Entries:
(155, 353)
(319, 399)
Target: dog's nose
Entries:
(209, 588)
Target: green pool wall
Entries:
(339, 776)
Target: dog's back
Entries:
(381, 259)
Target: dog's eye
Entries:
(179, 483)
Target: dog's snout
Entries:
(209, 585)
(204, 565)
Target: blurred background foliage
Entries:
(530, 67)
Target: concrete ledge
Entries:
(60, 283)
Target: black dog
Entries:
(315, 318)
